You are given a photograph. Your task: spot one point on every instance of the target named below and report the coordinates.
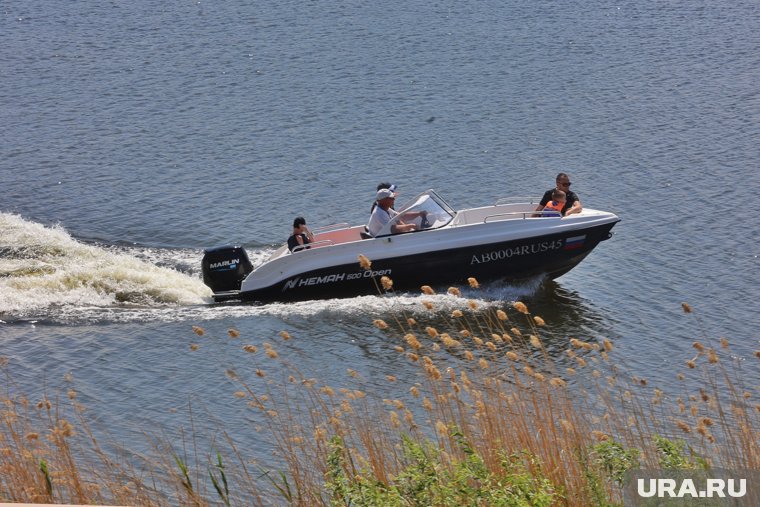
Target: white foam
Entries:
(44, 267)
(47, 274)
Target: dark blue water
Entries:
(136, 134)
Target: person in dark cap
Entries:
(301, 236)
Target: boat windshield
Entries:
(426, 211)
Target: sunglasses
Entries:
(566, 184)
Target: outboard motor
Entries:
(224, 268)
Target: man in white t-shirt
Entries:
(383, 213)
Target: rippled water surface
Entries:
(135, 134)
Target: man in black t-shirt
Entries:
(301, 236)
(572, 203)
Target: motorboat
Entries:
(508, 241)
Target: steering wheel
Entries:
(424, 222)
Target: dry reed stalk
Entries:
(44, 458)
(503, 399)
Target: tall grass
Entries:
(48, 456)
(492, 417)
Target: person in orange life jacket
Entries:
(301, 234)
(572, 201)
(554, 207)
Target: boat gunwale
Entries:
(407, 244)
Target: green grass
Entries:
(490, 418)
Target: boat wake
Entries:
(48, 276)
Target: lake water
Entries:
(134, 134)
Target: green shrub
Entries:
(427, 479)
(672, 455)
(614, 459)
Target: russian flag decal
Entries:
(574, 242)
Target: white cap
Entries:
(384, 193)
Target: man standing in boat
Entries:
(384, 212)
(572, 201)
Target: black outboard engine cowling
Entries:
(224, 268)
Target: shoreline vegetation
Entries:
(497, 415)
